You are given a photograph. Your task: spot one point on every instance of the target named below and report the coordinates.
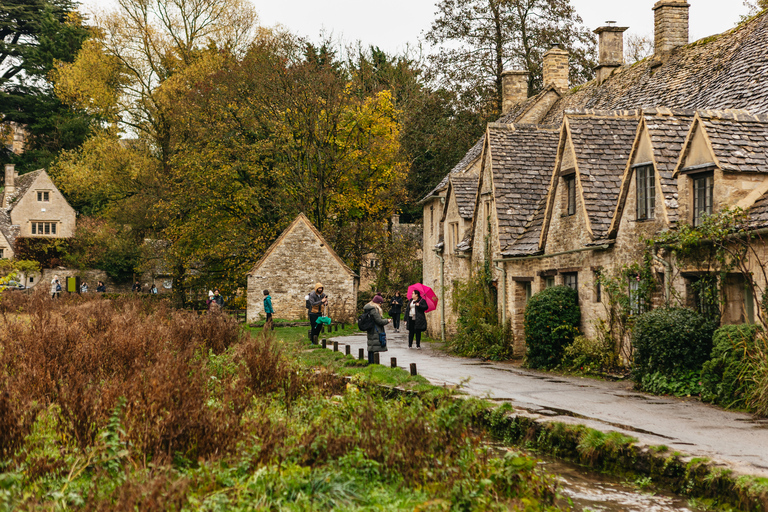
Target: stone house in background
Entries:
(299, 258)
(568, 181)
(32, 207)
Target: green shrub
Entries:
(680, 383)
(592, 355)
(551, 320)
(479, 332)
(723, 375)
(670, 341)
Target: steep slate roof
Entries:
(6, 228)
(602, 144)
(667, 133)
(465, 189)
(474, 152)
(522, 157)
(759, 211)
(528, 242)
(739, 141)
(720, 72)
(21, 186)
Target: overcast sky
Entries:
(393, 24)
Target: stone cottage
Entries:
(32, 207)
(568, 181)
(299, 258)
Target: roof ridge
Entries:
(590, 112)
(740, 115)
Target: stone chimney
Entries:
(556, 68)
(611, 50)
(670, 25)
(10, 178)
(514, 89)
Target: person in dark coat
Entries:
(395, 309)
(374, 342)
(316, 301)
(415, 318)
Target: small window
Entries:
(528, 291)
(702, 197)
(549, 282)
(453, 235)
(646, 192)
(636, 300)
(598, 286)
(570, 190)
(43, 197)
(1, 253)
(431, 220)
(571, 280)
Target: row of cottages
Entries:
(32, 207)
(564, 185)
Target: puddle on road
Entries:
(595, 492)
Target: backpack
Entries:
(365, 321)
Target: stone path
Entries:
(685, 425)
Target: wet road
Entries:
(684, 425)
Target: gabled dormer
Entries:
(648, 200)
(723, 163)
(458, 212)
(592, 156)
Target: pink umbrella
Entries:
(426, 293)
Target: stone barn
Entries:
(289, 269)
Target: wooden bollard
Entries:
(393, 362)
(343, 326)
(335, 346)
(336, 328)
(413, 369)
(325, 343)
(362, 354)
(376, 358)
(348, 350)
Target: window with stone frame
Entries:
(570, 194)
(43, 196)
(43, 228)
(646, 192)
(571, 280)
(549, 281)
(598, 285)
(2, 253)
(702, 196)
(453, 235)
(528, 290)
(636, 300)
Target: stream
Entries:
(590, 491)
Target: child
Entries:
(268, 326)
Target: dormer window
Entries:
(43, 196)
(702, 196)
(570, 191)
(646, 192)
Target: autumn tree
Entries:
(34, 36)
(637, 48)
(479, 39)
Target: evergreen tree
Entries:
(34, 36)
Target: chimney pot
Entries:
(514, 89)
(555, 68)
(670, 25)
(611, 50)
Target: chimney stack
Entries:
(611, 50)
(10, 177)
(556, 68)
(514, 89)
(670, 25)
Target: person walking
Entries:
(218, 299)
(153, 290)
(269, 310)
(375, 332)
(55, 287)
(84, 287)
(317, 301)
(136, 288)
(395, 309)
(416, 318)
(100, 288)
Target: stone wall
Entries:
(290, 269)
